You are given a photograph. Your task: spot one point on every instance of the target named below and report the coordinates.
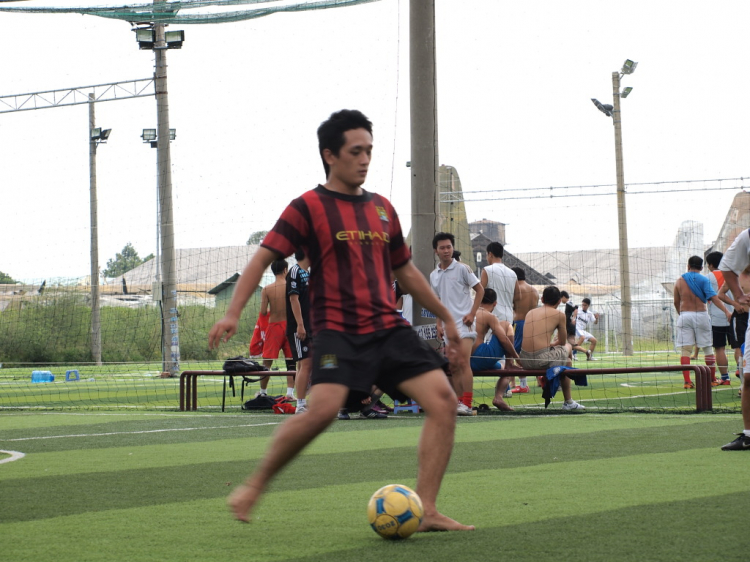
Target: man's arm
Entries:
(676, 299)
(720, 305)
(724, 297)
(248, 282)
(478, 296)
(516, 295)
(732, 279)
(483, 279)
(414, 283)
(502, 336)
(297, 311)
(562, 331)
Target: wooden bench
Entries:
(703, 398)
(189, 385)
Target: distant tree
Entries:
(257, 237)
(6, 279)
(124, 261)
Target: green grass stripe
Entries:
(244, 445)
(327, 522)
(43, 496)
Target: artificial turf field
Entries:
(148, 486)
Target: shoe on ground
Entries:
(688, 385)
(573, 406)
(594, 358)
(300, 410)
(291, 397)
(384, 407)
(344, 415)
(725, 382)
(463, 410)
(378, 409)
(371, 414)
(588, 355)
(261, 393)
(742, 443)
(508, 393)
(715, 383)
(521, 389)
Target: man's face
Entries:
(585, 306)
(444, 250)
(353, 160)
(564, 300)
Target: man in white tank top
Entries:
(502, 280)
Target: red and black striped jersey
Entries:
(353, 242)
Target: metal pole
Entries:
(622, 220)
(170, 334)
(96, 326)
(424, 140)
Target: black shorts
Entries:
(384, 358)
(739, 325)
(723, 335)
(301, 349)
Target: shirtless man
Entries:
(485, 355)
(273, 299)
(691, 291)
(527, 299)
(536, 350)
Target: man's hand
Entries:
(744, 299)
(452, 343)
(440, 332)
(224, 326)
(301, 333)
(729, 316)
(469, 320)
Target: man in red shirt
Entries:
(354, 241)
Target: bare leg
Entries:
(592, 347)
(267, 363)
(291, 437)
(721, 360)
(304, 367)
(745, 401)
(434, 395)
(500, 388)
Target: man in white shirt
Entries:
(501, 279)
(584, 318)
(452, 282)
(735, 260)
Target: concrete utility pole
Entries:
(170, 333)
(96, 325)
(622, 220)
(424, 146)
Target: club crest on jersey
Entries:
(382, 213)
(329, 362)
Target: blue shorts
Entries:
(487, 356)
(518, 339)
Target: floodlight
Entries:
(104, 135)
(626, 92)
(145, 37)
(172, 134)
(604, 108)
(100, 135)
(148, 135)
(96, 133)
(629, 67)
(174, 39)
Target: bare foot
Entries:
(242, 500)
(439, 522)
(501, 404)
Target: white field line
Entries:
(14, 456)
(135, 432)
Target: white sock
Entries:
(301, 402)
(289, 391)
(263, 391)
(747, 432)
(523, 382)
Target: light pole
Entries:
(96, 136)
(156, 39)
(614, 111)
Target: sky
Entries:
(514, 83)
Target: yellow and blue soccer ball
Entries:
(395, 512)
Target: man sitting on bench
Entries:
(486, 355)
(536, 350)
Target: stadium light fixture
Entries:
(173, 133)
(604, 108)
(628, 67)
(100, 135)
(626, 92)
(146, 38)
(149, 136)
(174, 39)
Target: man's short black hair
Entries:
(714, 259)
(299, 255)
(551, 295)
(586, 301)
(443, 236)
(331, 131)
(490, 296)
(520, 273)
(695, 262)
(496, 248)
(564, 294)
(279, 266)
